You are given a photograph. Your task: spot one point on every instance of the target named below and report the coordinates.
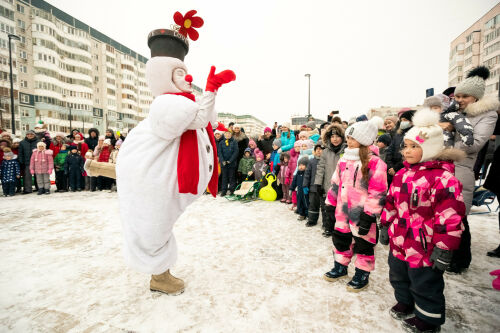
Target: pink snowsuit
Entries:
(352, 196)
(424, 209)
(41, 162)
(292, 165)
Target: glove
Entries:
(280, 151)
(365, 223)
(224, 163)
(306, 190)
(319, 189)
(287, 182)
(214, 81)
(384, 235)
(441, 258)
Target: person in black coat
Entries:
(393, 156)
(93, 138)
(298, 185)
(73, 167)
(26, 147)
(265, 142)
(492, 182)
(110, 135)
(314, 195)
(227, 152)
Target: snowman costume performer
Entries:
(170, 158)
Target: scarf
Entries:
(351, 154)
(188, 173)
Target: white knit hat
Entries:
(107, 141)
(427, 133)
(475, 83)
(365, 132)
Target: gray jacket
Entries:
(483, 116)
(327, 163)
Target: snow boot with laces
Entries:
(338, 271)
(166, 283)
(359, 281)
(417, 325)
(401, 311)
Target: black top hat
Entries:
(168, 43)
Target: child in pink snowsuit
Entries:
(283, 177)
(359, 186)
(292, 165)
(422, 221)
(41, 165)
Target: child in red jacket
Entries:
(422, 220)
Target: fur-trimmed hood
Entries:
(485, 104)
(330, 130)
(451, 154)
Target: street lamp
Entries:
(13, 114)
(308, 96)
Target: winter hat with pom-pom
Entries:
(365, 132)
(267, 129)
(277, 143)
(377, 121)
(427, 134)
(251, 143)
(474, 84)
(258, 154)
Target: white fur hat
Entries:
(107, 142)
(365, 132)
(427, 133)
(159, 72)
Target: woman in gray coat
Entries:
(333, 140)
(481, 111)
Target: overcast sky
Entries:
(360, 54)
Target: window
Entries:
(7, 13)
(25, 99)
(24, 84)
(20, 9)
(21, 24)
(23, 55)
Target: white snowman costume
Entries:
(146, 170)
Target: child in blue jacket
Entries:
(302, 193)
(9, 172)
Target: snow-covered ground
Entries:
(248, 267)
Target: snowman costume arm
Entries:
(171, 115)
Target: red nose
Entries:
(188, 78)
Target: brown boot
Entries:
(166, 283)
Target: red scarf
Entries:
(188, 173)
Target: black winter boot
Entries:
(494, 253)
(41, 191)
(47, 191)
(359, 281)
(338, 271)
(417, 325)
(401, 311)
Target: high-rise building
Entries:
(68, 74)
(478, 45)
(252, 126)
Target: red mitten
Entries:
(214, 81)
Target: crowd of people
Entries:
(406, 180)
(31, 161)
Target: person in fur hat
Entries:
(174, 152)
(427, 191)
(42, 165)
(481, 111)
(440, 103)
(358, 191)
(334, 142)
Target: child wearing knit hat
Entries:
(259, 168)
(298, 185)
(425, 190)
(358, 191)
(275, 155)
(440, 103)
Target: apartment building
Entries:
(478, 45)
(68, 74)
(252, 125)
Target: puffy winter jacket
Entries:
(352, 195)
(73, 162)
(310, 174)
(9, 170)
(292, 164)
(274, 161)
(228, 151)
(26, 147)
(60, 159)
(424, 208)
(329, 158)
(287, 142)
(41, 162)
(92, 141)
(245, 165)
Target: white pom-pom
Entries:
(377, 121)
(425, 118)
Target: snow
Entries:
(247, 266)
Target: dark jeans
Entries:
(9, 188)
(61, 180)
(228, 178)
(462, 256)
(28, 184)
(422, 287)
(93, 183)
(302, 202)
(314, 206)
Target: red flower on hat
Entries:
(187, 24)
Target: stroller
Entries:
(483, 196)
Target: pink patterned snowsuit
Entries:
(353, 196)
(424, 209)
